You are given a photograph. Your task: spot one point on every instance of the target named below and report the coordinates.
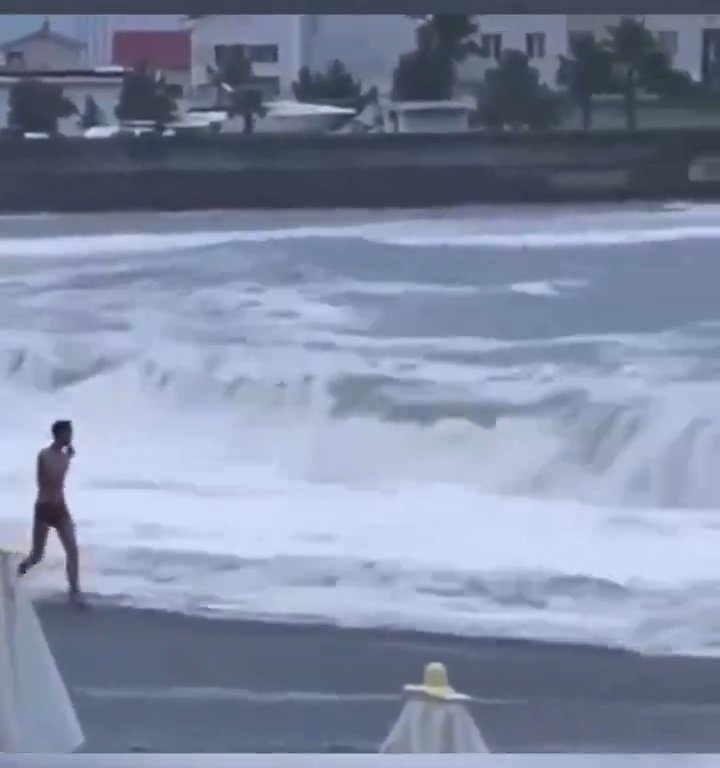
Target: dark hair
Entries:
(63, 425)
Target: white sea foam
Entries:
(486, 231)
(217, 470)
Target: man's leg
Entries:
(66, 534)
(39, 541)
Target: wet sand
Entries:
(162, 682)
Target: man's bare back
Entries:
(53, 463)
(51, 510)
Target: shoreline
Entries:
(146, 680)
(184, 173)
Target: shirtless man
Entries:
(51, 510)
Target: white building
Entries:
(543, 38)
(77, 86)
(279, 46)
(273, 44)
(691, 41)
(369, 45)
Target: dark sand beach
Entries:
(162, 682)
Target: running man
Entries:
(51, 510)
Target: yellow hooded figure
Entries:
(434, 719)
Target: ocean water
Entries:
(486, 421)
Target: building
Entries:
(542, 37)
(97, 31)
(691, 41)
(272, 43)
(369, 45)
(165, 51)
(77, 85)
(43, 49)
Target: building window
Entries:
(262, 54)
(535, 45)
(491, 46)
(257, 54)
(225, 54)
(15, 59)
(668, 43)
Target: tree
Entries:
(454, 33)
(641, 63)
(36, 106)
(237, 90)
(145, 97)
(424, 74)
(512, 94)
(588, 71)
(429, 72)
(333, 86)
(660, 78)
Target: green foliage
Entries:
(629, 60)
(428, 73)
(640, 63)
(248, 104)
(454, 34)
(658, 77)
(334, 85)
(237, 91)
(511, 94)
(36, 106)
(145, 97)
(234, 68)
(423, 76)
(587, 71)
(630, 43)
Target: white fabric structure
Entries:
(430, 726)
(434, 719)
(36, 714)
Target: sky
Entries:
(16, 25)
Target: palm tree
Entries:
(428, 72)
(586, 72)
(632, 46)
(454, 33)
(236, 88)
(144, 96)
(512, 94)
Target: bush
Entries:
(334, 85)
(512, 94)
(36, 106)
(145, 97)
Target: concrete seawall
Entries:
(365, 171)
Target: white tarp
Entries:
(434, 726)
(36, 714)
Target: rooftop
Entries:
(44, 33)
